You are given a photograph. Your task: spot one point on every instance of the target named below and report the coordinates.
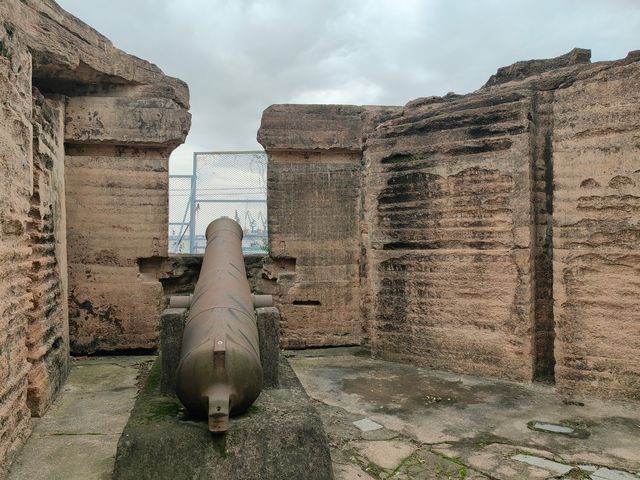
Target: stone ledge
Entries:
(311, 127)
(124, 120)
(281, 436)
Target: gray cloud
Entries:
(241, 56)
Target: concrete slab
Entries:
(73, 457)
(78, 436)
(90, 413)
(550, 465)
(552, 428)
(608, 474)
(367, 425)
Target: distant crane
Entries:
(263, 221)
(252, 222)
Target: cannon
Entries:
(219, 373)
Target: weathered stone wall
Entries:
(180, 273)
(48, 332)
(498, 230)
(117, 164)
(15, 252)
(117, 214)
(541, 148)
(70, 97)
(596, 279)
(122, 119)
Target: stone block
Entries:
(269, 337)
(171, 329)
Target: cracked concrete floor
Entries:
(78, 436)
(437, 425)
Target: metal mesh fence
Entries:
(179, 203)
(224, 184)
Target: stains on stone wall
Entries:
(116, 214)
(447, 181)
(543, 336)
(316, 241)
(314, 249)
(113, 119)
(117, 163)
(122, 119)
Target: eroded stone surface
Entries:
(16, 299)
(48, 327)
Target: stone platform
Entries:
(281, 436)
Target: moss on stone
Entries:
(171, 408)
(153, 379)
(398, 158)
(220, 444)
(362, 352)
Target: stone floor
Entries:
(384, 420)
(389, 420)
(77, 438)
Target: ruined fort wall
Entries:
(117, 197)
(122, 119)
(497, 230)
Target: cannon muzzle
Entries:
(219, 373)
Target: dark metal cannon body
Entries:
(219, 373)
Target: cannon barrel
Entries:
(219, 373)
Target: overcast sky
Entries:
(240, 56)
